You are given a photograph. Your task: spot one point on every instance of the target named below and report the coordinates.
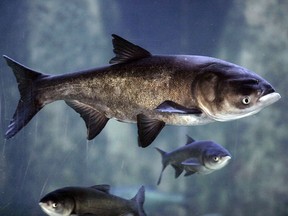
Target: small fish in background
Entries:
(201, 157)
(150, 90)
(95, 200)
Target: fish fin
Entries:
(27, 106)
(200, 169)
(126, 51)
(172, 107)
(192, 165)
(165, 163)
(148, 129)
(189, 140)
(139, 198)
(191, 162)
(160, 151)
(178, 170)
(104, 188)
(95, 121)
(160, 177)
(188, 173)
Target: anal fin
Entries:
(148, 129)
(178, 170)
(95, 121)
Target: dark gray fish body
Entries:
(122, 91)
(201, 157)
(94, 200)
(148, 89)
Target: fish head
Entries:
(225, 92)
(57, 204)
(215, 157)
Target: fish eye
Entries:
(216, 158)
(246, 100)
(54, 205)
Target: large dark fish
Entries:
(152, 90)
(95, 200)
(201, 157)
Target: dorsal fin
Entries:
(189, 140)
(126, 51)
(104, 188)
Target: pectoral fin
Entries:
(191, 166)
(94, 120)
(148, 129)
(191, 162)
(172, 107)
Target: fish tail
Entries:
(140, 199)
(165, 163)
(27, 106)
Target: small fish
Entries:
(150, 90)
(95, 200)
(201, 157)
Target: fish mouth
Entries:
(44, 208)
(227, 158)
(269, 98)
(41, 204)
(225, 161)
(267, 91)
(269, 95)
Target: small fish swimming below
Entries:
(201, 157)
(150, 90)
(95, 200)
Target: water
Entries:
(52, 152)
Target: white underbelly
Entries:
(173, 118)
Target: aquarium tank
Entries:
(52, 152)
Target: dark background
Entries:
(52, 151)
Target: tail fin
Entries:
(140, 199)
(165, 163)
(27, 106)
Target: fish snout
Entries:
(42, 204)
(224, 161)
(267, 89)
(227, 158)
(268, 95)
